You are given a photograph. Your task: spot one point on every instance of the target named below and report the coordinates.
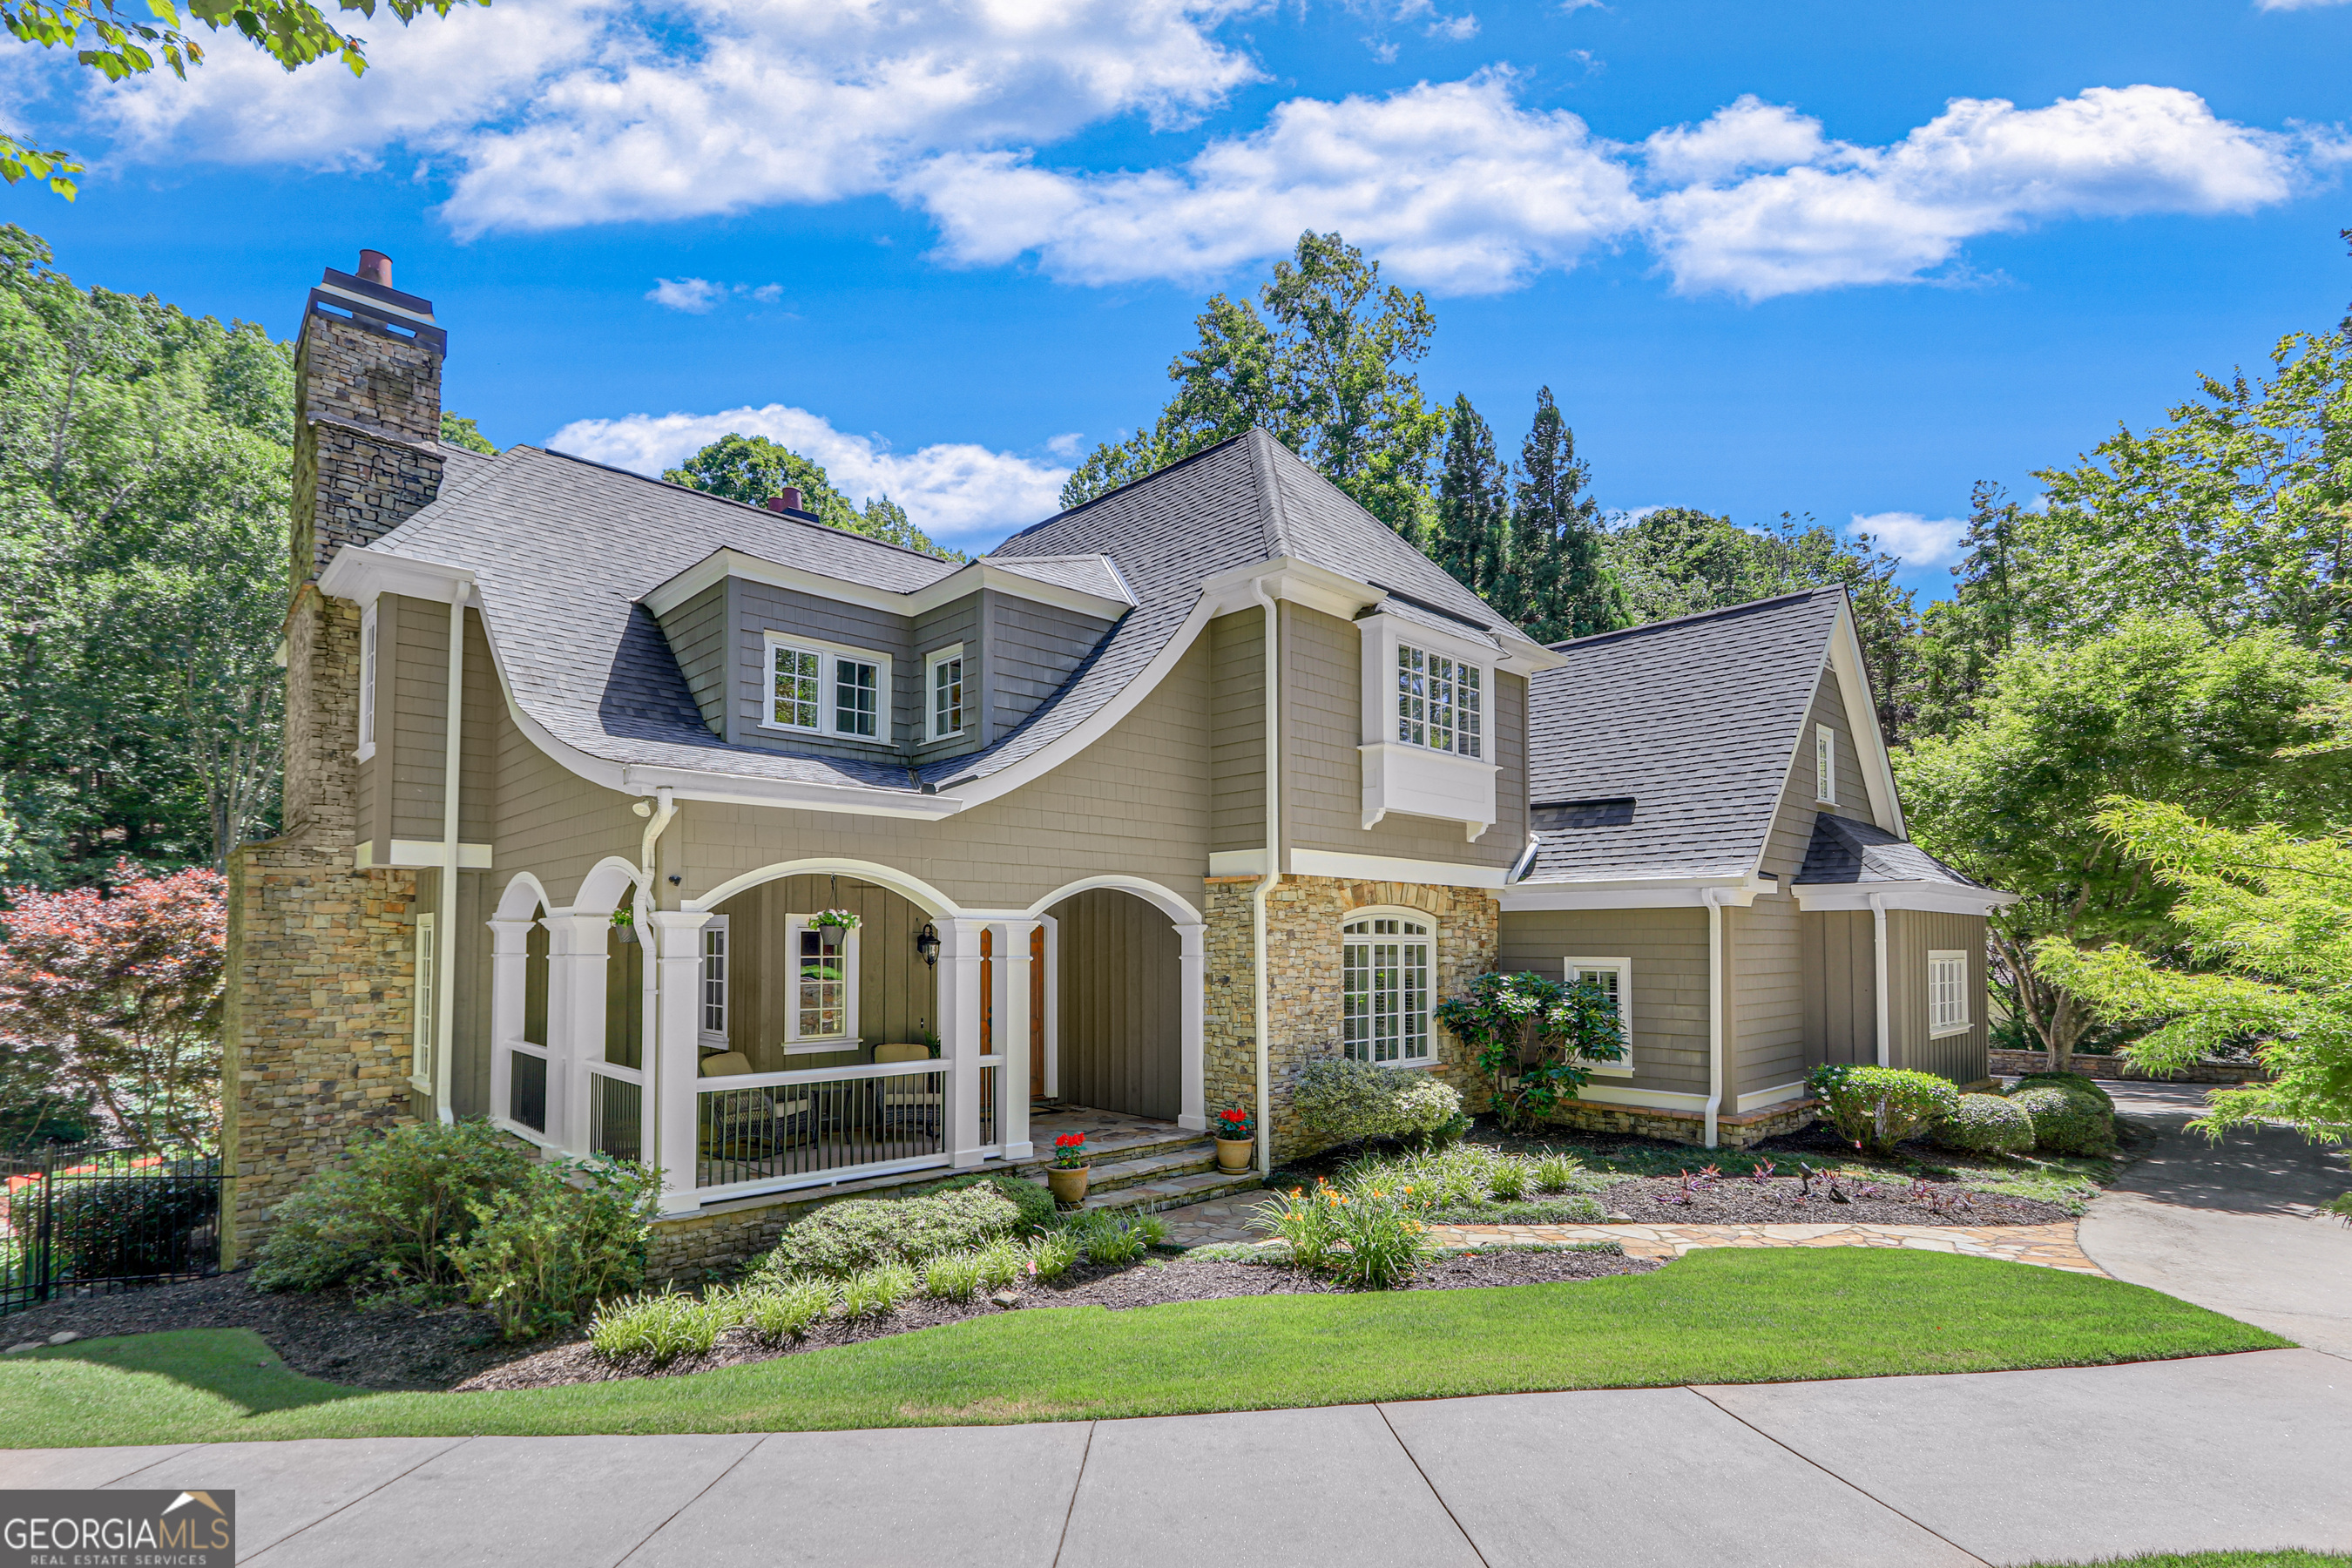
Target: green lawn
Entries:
(2284, 1559)
(1720, 1316)
(2065, 1179)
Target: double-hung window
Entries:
(822, 1011)
(943, 683)
(420, 1062)
(825, 690)
(1614, 978)
(712, 1000)
(1947, 992)
(1384, 969)
(367, 683)
(1441, 702)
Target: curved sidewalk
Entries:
(2234, 1226)
(1896, 1472)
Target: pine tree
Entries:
(1473, 502)
(1556, 584)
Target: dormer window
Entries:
(943, 680)
(1441, 704)
(822, 688)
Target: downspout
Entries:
(1878, 953)
(444, 958)
(1273, 872)
(649, 1026)
(1526, 861)
(1714, 897)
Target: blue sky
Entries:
(1821, 258)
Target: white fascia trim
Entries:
(419, 852)
(1861, 723)
(1465, 647)
(361, 575)
(1760, 1098)
(1654, 1098)
(1635, 893)
(1375, 868)
(1939, 898)
(723, 564)
(1238, 863)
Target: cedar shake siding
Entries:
(1238, 732)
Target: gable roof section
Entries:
(1694, 719)
(1844, 851)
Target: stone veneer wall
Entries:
(1685, 1126)
(2209, 1072)
(1303, 915)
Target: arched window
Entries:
(1385, 981)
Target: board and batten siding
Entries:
(1323, 774)
(1668, 948)
(897, 992)
(1841, 985)
(696, 631)
(1118, 1029)
(1237, 731)
(1768, 997)
(1911, 935)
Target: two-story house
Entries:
(646, 823)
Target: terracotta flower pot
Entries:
(1068, 1184)
(1233, 1155)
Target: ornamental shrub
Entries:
(397, 1212)
(544, 1251)
(844, 1238)
(1534, 1040)
(1986, 1124)
(1351, 1101)
(2072, 1081)
(2065, 1121)
(1876, 1108)
(661, 1327)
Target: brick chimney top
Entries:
(787, 500)
(375, 268)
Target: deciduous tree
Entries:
(750, 469)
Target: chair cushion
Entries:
(902, 1053)
(726, 1064)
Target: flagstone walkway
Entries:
(2047, 1245)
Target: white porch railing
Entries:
(769, 1131)
(527, 1080)
(616, 1111)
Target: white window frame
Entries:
(1955, 1018)
(1824, 765)
(831, 656)
(1450, 687)
(367, 683)
(1429, 937)
(1574, 969)
(429, 951)
(795, 1043)
(713, 1039)
(1420, 780)
(932, 662)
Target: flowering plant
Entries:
(1236, 1123)
(842, 918)
(1070, 1150)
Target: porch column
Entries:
(575, 1021)
(1012, 1098)
(674, 1064)
(510, 985)
(1192, 980)
(960, 1033)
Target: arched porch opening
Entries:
(1117, 999)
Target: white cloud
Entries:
(1453, 185)
(2293, 4)
(1920, 540)
(1067, 445)
(696, 296)
(1747, 133)
(1454, 29)
(958, 492)
(1863, 215)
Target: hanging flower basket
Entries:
(841, 919)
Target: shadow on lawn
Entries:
(236, 1365)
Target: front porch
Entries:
(826, 1031)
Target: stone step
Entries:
(1185, 1162)
(1168, 1191)
(1121, 1148)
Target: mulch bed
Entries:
(1148, 1284)
(327, 1335)
(1783, 1200)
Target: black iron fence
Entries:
(89, 1222)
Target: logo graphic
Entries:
(117, 1529)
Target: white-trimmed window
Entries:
(1825, 764)
(824, 688)
(712, 999)
(1441, 702)
(367, 683)
(420, 1061)
(944, 691)
(1615, 978)
(1384, 967)
(1947, 992)
(822, 1011)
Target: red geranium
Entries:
(1070, 1150)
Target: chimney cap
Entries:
(788, 498)
(375, 268)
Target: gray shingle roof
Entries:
(1088, 573)
(562, 550)
(1694, 719)
(1845, 851)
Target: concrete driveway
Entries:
(2235, 1228)
(1893, 1472)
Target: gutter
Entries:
(445, 960)
(1273, 872)
(1716, 899)
(1878, 954)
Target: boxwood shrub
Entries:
(1354, 1102)
(2065, 1120)
(860, 1234)
(1876, 1108)
(1986, 1124)
(2074, 1081)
